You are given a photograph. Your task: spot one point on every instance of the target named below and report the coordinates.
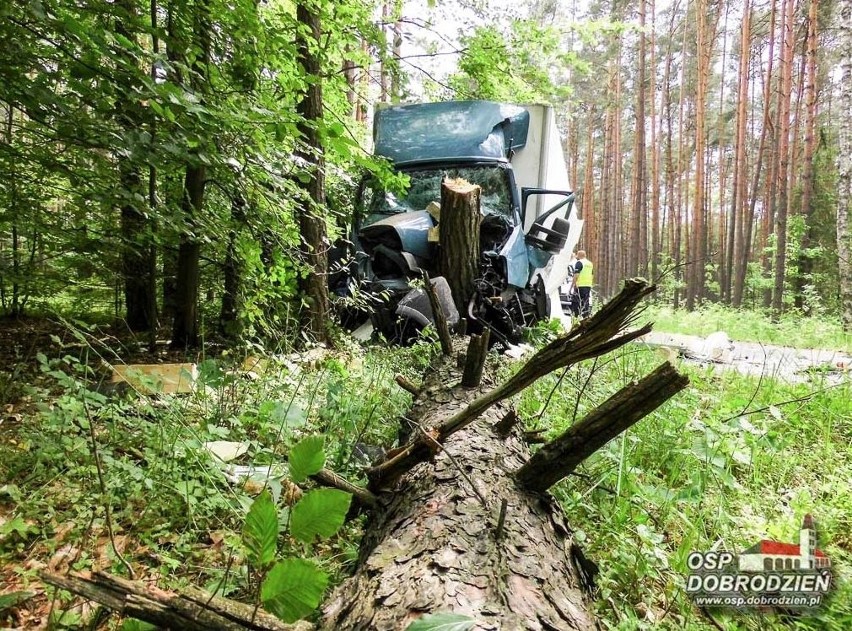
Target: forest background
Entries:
(154, 153)
(179, 168)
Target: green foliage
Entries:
(306, 458)
(293, 589)
(730, 460)
(260, 531)
(514, 66)
(103, 111)
(168, 496)
(320, 513)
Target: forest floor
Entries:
(178, 521)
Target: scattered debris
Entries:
(780, 362)
(226, 450)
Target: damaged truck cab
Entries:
(529, 225)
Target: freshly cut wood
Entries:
(460, 534)
(603, 332)
(458, 260)
(458, 519)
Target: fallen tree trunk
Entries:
(464, 525)
(459, 518)
(191, 610)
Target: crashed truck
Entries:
(528, 231)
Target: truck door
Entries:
(554, 229)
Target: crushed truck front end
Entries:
(395, 234)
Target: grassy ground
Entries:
(728, 462)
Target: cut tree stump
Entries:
(458, 257)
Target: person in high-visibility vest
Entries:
(583, 281)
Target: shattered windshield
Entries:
(425, 187)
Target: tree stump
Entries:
(458, 236)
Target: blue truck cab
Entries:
(528, 229)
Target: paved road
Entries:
(779, 362)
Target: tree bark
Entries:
(783, 207)
(191, 610)
(736, 249)
(626, 407)
(314, 245)
(185, 327)
(844, 188)
(805, 259)
(140, 299)
(460, 534)
(458, 236)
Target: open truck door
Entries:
(550, 240)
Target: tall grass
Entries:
(727, 462)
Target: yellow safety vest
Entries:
(585, 278)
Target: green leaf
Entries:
(12, 599)
(442, 622)
(260, 531)
(290, 415)
(17, 526)
(306, 458)
(293, 589)
(319, 512)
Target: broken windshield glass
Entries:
(425, 187)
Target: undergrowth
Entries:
(166, 500)
(729, 461)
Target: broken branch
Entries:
(326, 477)
(603, 332)
(193, 610)
(477, 353)
(438, 316)
(561, 456)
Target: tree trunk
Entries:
(314, 244)
(140, 299)
(472, 532)
(191, 610)
(435, 546)
(458, 229)
(229, 314)
(805, 260)
(185, 328)
(655, 243)
(460, 520)
(766, 123)
(783, 207)
(735, 246)
(638, 245)
(844, 188)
